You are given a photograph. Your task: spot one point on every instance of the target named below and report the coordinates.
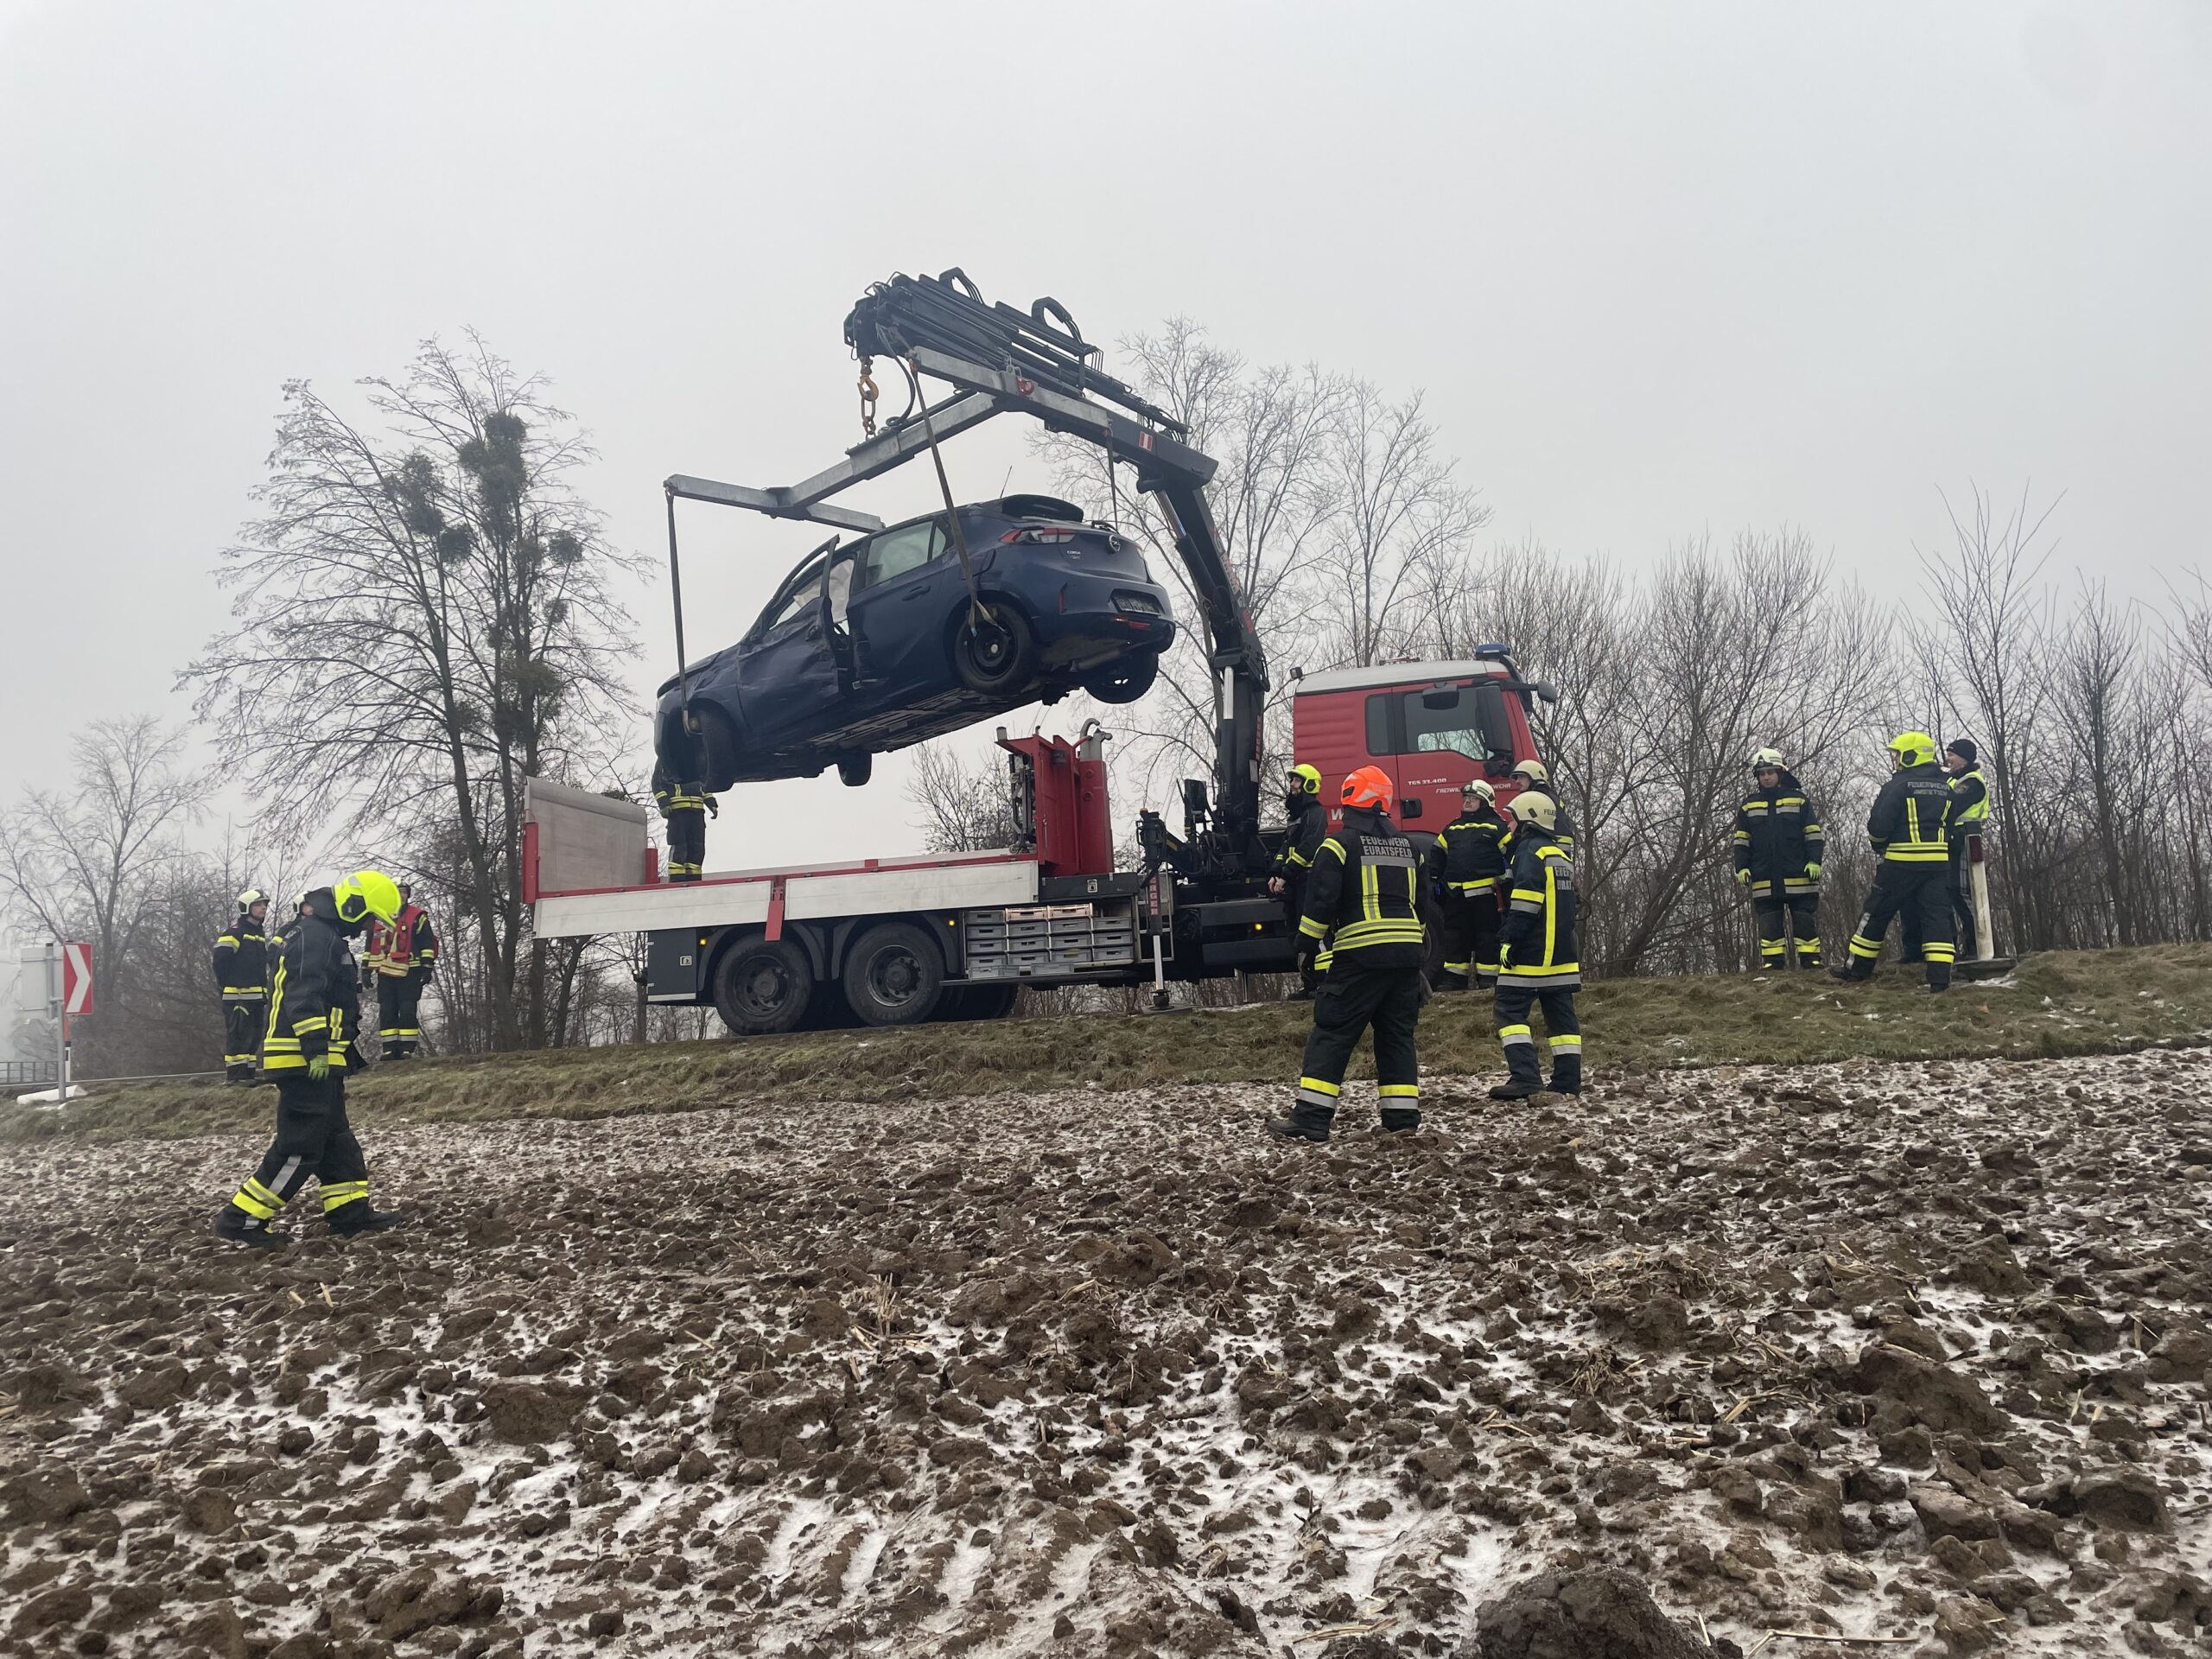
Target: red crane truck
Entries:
(893, 941)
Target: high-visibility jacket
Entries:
(1364, 895)
(1309, 822)
(1907, 824)
(1778, 835)
(314, 1006)
(1538, 932)
(407, 944)
(1471, 852)
(673, 795)
(1969, 802)
(241, 961)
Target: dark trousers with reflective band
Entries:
(313, 1138)
(1771, 906)
(1514, 1001)
(1469, 937)
(1349, 1000)
(687, 843)
(1920, 894)
(399, 1000)
(1957, 880)
(242, 1023)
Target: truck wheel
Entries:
(894, 975)
(853, 770)
(763, 986)
(1128, 682)
(990, 1001)
(995, 655)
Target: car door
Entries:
(789, 687)
(905, 585)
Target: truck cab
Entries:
(1432, 727)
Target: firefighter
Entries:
(401, 959)
(1969, 818)
(686, 803)
(1535, 774)
(1908, 829)
(1307, 822)
(1779, 846)
(1364, 895)
(1539, 962)
(1464, 865)
(313, 1016)
(241, 964)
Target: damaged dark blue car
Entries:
(869, 647)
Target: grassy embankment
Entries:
(2054, 1004)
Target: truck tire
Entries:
(763, 986)
(990, 1001)
(893, 974)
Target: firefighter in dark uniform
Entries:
(1364, 895)
(1908, 827)
(684, 803)
(1969, 817)
(313, 1017)
(1779, 846)
(1539, 962)
(1465, 865)
(1307, 823)
(402, 959)
(1535, 774)
(242, 980)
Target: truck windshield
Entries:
(1467, 719)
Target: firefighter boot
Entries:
(234, 1226)
(354, 1217)
(1396, 1120)
(1566, 1075)
(1849, 974)
(1306, 1122)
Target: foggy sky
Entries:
(1659, 268)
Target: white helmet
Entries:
(1767, 759)
(252, 897)
(1533, 806)
(1534, 773)
(1476, 790)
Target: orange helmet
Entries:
(1369, 787)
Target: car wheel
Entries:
(763, 986)
(853, 770)
(994, 654)
(1128, 682)
(894, 975)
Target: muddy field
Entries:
(1896, 1351)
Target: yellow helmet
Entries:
(1305, 780)
(366, 893)
(1912, 748)
(1533, 806)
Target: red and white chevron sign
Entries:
(76, 979)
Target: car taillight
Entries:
(1033, 534)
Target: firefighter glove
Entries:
(1743, 878)
(1812, 872)
(319, 1067)
(713, 808)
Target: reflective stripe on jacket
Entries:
(1538, 931)
(1364, 895)
(1907, 824)
(313, 1003)
(1469, 853)
(241, 961)
(1778, 833)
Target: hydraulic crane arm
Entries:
(1038, 364)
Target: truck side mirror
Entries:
(1546, 690)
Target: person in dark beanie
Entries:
(1969, 818)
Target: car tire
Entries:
(894, 975)
(1128, 682)
(996, 657)
(763, 986)
(853, 769)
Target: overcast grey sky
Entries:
(1659, 267)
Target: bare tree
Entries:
(963, 807)
(426, 620)
(105, 861)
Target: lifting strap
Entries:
(676, 591)
(978, 614)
